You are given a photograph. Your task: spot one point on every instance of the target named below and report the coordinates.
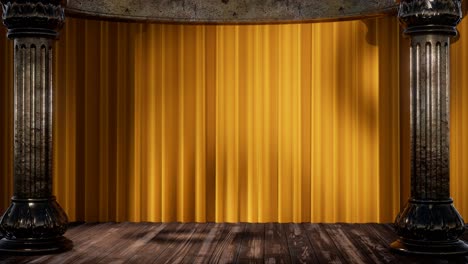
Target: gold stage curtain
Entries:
(459, 121)
(283, 123)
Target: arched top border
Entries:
(230, 11)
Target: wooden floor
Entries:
(229, 243)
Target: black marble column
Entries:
(34, 223)
(429, 223)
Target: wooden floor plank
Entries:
(276, 248)
(140, 239)
(201, 251)
(179, 244)
(347, 248)
(362, 238)
(157, 244)
(126, 236)
(373, 243)
(300, 249)
(230, 243)
(114, 240)
(74, 233)
(252, 247)
(323, 245)
(92, 240)
(80, 235)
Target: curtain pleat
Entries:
(254, 123)
(459, 120)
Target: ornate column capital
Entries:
(430, 16)
(30, 18)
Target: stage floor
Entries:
(144, 243)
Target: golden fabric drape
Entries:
(459, 121)
(223, 123)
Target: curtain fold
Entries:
(459, 120)
(255, 123)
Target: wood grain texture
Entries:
(230, 243)
(276, 244)
(300, 249)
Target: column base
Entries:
(35, 246)
(430, 227)
(457, 247)
(34, 226)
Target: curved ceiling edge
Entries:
(229, 11)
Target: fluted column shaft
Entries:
(430, 103)
(33, 118)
